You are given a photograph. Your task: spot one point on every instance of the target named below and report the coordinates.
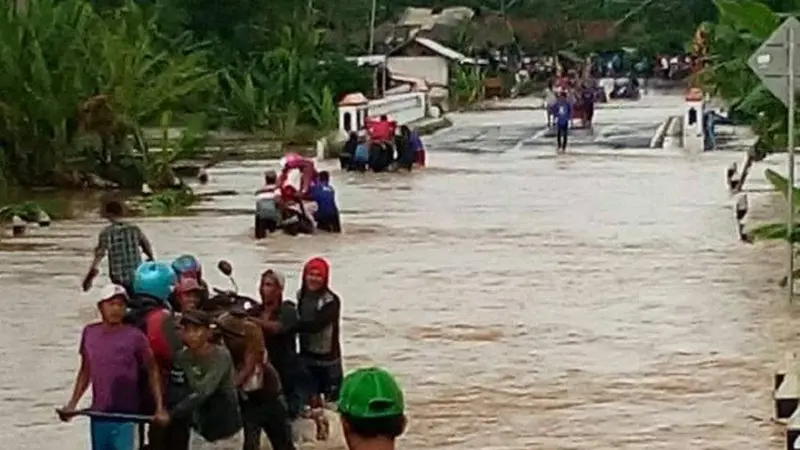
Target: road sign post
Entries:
(790, 144)
(775, 63)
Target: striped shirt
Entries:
(121, 241)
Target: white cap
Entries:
(112, 291)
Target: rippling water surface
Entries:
(593, 300)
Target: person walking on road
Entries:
(562, 113)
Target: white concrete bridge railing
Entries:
(354, 109)
(402, 108)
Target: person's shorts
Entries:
(110, 435)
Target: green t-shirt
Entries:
(212, 401)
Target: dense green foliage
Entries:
(778, 230)
(742, 26)
(80, 79)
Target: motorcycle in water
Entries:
(224, 300)
(229, 301)
(295, 220)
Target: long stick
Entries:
(107, 415)
(790, 193)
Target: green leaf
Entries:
(774, 231)
(749, 15)
(781, 184)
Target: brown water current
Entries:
(595, 300)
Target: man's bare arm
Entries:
(100, 251)
(147, 248)
(81, 384)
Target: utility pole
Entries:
(372, 27)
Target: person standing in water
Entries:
(121, 241)
(361, 155)
(277, 321)
(267, 212)
(149, 311)
(112, 357)
(562, 112)
(415, 149)
(204, 375)
(327, 213)
(587, 100)
(320, 312)
(260, 397)
(372, 410)
(348, 152)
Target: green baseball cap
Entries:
(371, 393)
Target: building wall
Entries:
(433, 69)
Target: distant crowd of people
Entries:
(666, 67)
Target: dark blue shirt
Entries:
(415, 142)
(562, 110)
(325, 196)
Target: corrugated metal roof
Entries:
(443, 50)
(425, 19)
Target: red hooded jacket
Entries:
(320, 313)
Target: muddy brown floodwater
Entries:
(596, 300)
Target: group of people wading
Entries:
(383, 148)
(210, 369)
(299, 200)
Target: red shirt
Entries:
(154, 330)
(380, 130)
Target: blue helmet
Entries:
(154, 279)
(185, 264)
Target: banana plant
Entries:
(781, 184)
(322, 109)
(158, 165)
(742, 26)
(778, 230)
(466, 85)
(245, 106)
(62, 55)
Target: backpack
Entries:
(147, 315)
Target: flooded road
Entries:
(526, 301)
